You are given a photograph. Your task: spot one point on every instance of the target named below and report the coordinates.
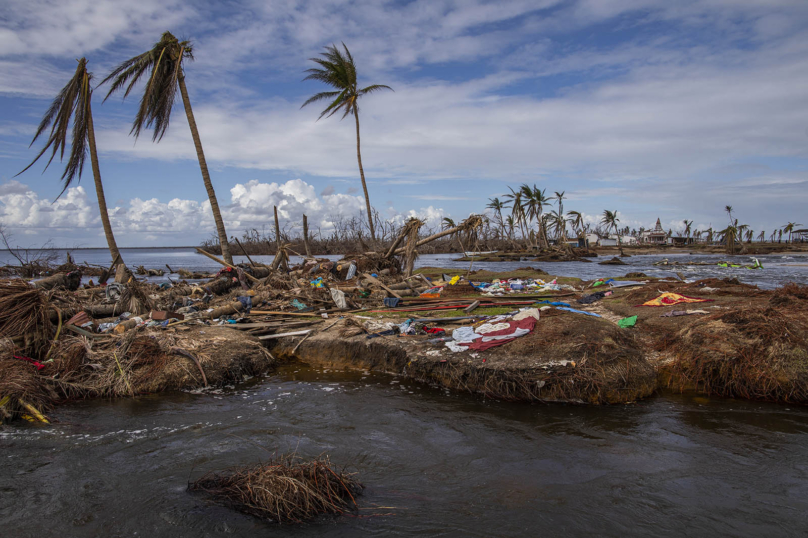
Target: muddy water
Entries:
(435, 463)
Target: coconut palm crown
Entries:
(73, 103)
(164, 65)
(338, 70)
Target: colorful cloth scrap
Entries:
(669, 299)
(625, 323)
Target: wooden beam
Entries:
(293, 333)
(376, 281)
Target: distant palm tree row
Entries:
(164, 66)
(526, 205)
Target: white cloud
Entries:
(176, 221)
(20, 207)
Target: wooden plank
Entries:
(470, 308)
(271, 313)
(294, 333)
(271, 324)
(376, 281)
(82, 332)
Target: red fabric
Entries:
(38, 365)
(528, 323)
(434, 330)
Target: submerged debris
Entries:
(286, 489)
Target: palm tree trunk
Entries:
(362, 175)
(203, 165)
(99, 188)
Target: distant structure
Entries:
(657, 236)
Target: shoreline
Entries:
(741, 342)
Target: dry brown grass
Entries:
(758, 354)
(24, 315)
(286, 489)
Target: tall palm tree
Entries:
(74, 103)
(610, 219)
(339, 71)
(510, 225)
(728, 209)
(164, 63)
(560, 197)
(497, 205)
(517, 208)
(558, 224)
(535, 200)
(762, 236)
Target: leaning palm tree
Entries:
(576, 220)
(164, 64)
(789, 229)
(610, 219)
(74, 103)
(339, 71)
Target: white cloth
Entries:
(527, 313)
(515, 334)
(491, 327)
(455, 347)
(339, 298)
(465, 335)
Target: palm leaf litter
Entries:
(286, 489)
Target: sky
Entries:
(655, 109)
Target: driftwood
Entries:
(218, 260)
(69, 281)
(232, 308)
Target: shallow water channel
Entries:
(435, 463)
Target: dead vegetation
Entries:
(757, 354)
(286, 489)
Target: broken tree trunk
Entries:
(306, 236)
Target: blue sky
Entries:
(652, 108)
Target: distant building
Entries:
(657, 236)
(800, 236)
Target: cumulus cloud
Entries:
(177, 221)
(20, 207)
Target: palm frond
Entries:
(71, 105)
(164, 64)
(336, 68)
